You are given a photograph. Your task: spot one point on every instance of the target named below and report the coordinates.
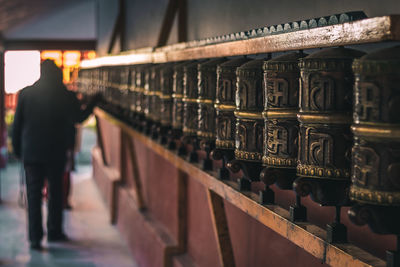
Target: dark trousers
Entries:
(36, 173)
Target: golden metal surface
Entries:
(224, 107)
(280, 114)
(229, 144)
(321, 172)
(373, 196)
(177, 95)
(249, 156)
(279, 162)
(190, 100)
(248, 115)
(325, 118)
(205, 101)
(377, 131)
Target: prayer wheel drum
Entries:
(249, 122)
(207, 83)
(166, 84)
(225, 117)
(325, 139)
(281, 93)
(376, 150)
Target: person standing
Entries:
(43, 131)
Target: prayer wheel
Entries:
(190, 108)
(325, 139)
(376, 150)
(177, 107)
(225, 117)
(249, 122)
(132, 95)
(165, 98)
(281, 93)
(207, 83)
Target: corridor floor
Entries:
(93, 240)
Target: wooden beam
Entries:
(307, 236)
(221, 229)
(370, 30)
(168, 21)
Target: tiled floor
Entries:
(94, 242)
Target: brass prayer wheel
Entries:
(165, 97)
(325, 139)
(207, 83)
(141, 77)
(281, 93)
(190, 107)
(124, 84)
(249, 121)
(225, 117)
(177, 106)
(376, 150)
(132, 95)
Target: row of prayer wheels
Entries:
(325, 124)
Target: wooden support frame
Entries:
(307, 236)
(100, 141)
(173, 7)
(119, 28)
(221, 229)
(129, 144)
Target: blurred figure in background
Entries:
(43, 132)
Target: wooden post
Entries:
(182, 211)
(221, 229)
(100, 142)
(136, 175)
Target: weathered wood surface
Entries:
(370, 30)
(309, 237)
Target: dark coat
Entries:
(44, 121)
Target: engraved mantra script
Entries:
(277, 140)
(367, 105)
(277, 90)
(319, 148)
(366, 164)
(321, 92)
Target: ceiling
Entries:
(36, 20)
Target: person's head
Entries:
(50, 71)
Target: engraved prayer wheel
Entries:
(376, 150)
(124, 84)
(249, 121)
(325, 139)
(152, 85)
(281, 92)
(165, 97)
(142, 87)
(225, 117)
(177, 106)
(132, 95)
(190, 107)
(155, 100)
(207, 83)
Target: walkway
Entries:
(94, 242)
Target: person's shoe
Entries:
(57, 238)
(35, 245)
